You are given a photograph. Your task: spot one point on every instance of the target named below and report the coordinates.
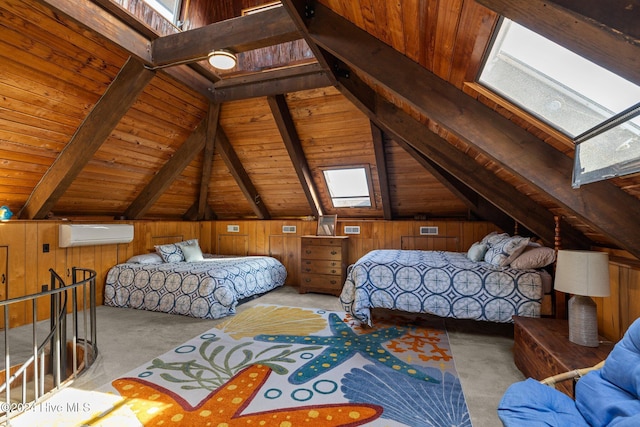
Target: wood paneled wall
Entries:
(622, 307)
(22, 243)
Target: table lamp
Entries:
(584, 274)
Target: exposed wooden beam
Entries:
(239, 34)
(207, 161)
(301, 12)
(192, 213)
(103, 118)
(381, 163)
(564, 22)
(620, 15)
(162, 180)
(241, 176)
(401, 127)
(116, 30)
(518, 151)
(284, 121)
(270, 83)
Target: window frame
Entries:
(369, 181)
(603, 167)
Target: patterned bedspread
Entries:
(446, 284)
(206, 289)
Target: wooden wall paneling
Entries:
(632, 304)
(12, 236)
(430, 243)
(4, 285)
(611, 313)
(286, 249)
(206, 236)
(44, 233)
(233, 244)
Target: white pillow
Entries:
(152, 258)
(191, 253)
(476, 252)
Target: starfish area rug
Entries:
(283, 366)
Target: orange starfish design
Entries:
(155, 405)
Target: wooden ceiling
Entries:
(110, 112)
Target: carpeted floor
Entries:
(129, 338)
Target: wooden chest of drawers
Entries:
(323, 264)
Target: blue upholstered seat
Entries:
(606, 397)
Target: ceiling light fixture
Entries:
(223, 59)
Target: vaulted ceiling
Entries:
(108, 111)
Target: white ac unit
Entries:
(94, 234)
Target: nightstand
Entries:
(323, 264)
(542, 349)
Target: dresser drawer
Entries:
(321, 267)
(326, 241)
(321, 252)
(322, 282)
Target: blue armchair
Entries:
(609, 396)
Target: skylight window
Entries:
(349, 187)
(595, 107)
(170, 9)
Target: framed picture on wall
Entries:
(327, 225)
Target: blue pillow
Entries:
(531, 404)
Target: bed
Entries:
(496, 279)
(201, 286)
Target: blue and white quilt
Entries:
(446, 284)
(207, 289)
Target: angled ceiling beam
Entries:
(401, 127)
(207, 162)
(171, 170)
(300, 14)
(241, 176)
(103, 118)
(284, 121)
(381, 163)
(100, 20)
(576, 25)
(518, 151)
(273, 82)
(239, 34)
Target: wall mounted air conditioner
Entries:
(94, 234)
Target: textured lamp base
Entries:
(583, 321)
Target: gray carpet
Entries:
(128, 338)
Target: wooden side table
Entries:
(542, 349)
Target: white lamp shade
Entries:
(582, 273)
(222, 59)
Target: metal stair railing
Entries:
(51, 355)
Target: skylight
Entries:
(170, 9)
(349, 187)
(572, 94)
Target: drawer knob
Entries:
(307, 270)
(333, 252)
(308, 251)
(333, 271)
(333, 282)
(307, 280)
